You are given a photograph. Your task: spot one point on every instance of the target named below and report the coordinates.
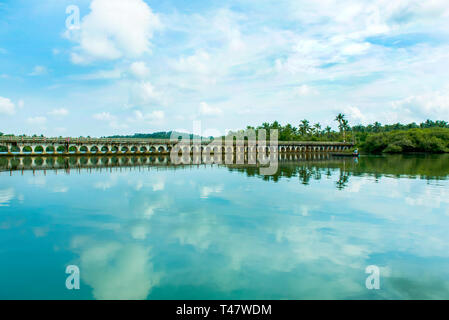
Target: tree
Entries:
(275, 125)
(377, 127)
(304, 127)
(346, 128)
(340, 119)
(317, 128)
(328, 131)
(265, 126)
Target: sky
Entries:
(135, 66)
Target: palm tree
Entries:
(304, 127)
(328, 131)
(340, 118)
(346, 127)
(317, 127)
(377, 126)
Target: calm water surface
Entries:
(217, 232)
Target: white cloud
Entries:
(159, 185)
(115, 29)
(38, 71)
(139, 69)
(62, 112)
(6, 195)
(104, 185)
(199, 62)
(115, 270)
(60, 189)
(104, 116)
(356, 48)
(208, 110)
(60, 130)
(37, 120)
(144, 93)
(153, 116)
(100, 75)
(206, 191)
(139, 232)
(40, 232)
(7, 106)
(113, 120)
(305, 90)
(433, 105)
(354, 114)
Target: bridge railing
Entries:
(44, 140)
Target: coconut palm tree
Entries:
(340, 118)
(304, 127)
(346, 127)
(377, 126)
(317, 128)
(328, 131)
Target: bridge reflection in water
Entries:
(302, 165)
(36, 163)
(307, 167)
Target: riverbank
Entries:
(428, 140)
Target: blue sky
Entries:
(144, 66)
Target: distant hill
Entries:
(158, 135)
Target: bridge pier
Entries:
(102, 147)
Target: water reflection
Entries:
(307, 167)
(227, 232)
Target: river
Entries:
(145, 229)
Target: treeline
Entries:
(430, 140)
(304, 131)
(158, 135)
(429, 136)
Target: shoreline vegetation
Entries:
(426, 137)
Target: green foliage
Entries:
(158, 135)
(430, 136)
(431, 140)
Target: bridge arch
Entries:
(50, 149)
(94, 149)
(73, 148)
(114, 149)
(124, 149)
(104, 149)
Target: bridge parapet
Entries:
(40, 145)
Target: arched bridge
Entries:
(35, 146)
